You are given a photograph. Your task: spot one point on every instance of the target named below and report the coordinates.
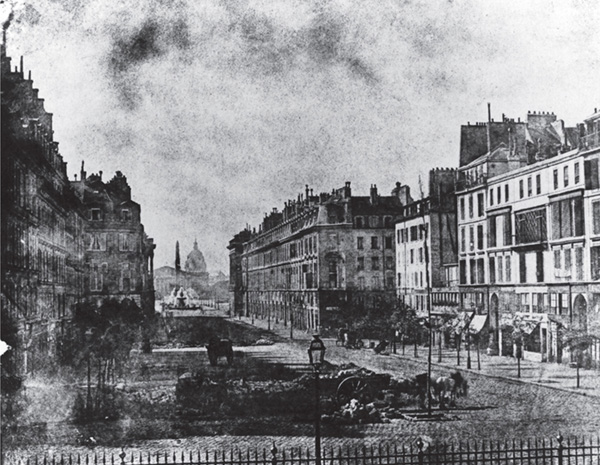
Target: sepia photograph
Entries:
(300, 232)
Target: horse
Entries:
(450, 388)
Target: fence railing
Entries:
(556, 451)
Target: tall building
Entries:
(527, 214)
(427, 247)
(46, 251)
(321, 254)
(119, 256)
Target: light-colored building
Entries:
(320, 257)
(527, 239)
(429, 225)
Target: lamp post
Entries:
(316, 355)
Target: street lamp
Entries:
(316, 355)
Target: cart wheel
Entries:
(354, 388)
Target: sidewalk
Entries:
(550, 375)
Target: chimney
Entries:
(347, 190)
(83, 173)
(100, 175)
(374, 194)
(489, 133)
(21, 64)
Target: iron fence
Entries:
(536, 451)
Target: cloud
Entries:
(217, 111)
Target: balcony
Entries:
(590, 141)
(466, 181)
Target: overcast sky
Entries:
(218, 111)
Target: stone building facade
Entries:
(45, 226)
(318, 256)
(42, 225)
(527, 217)
(427, 246)
(118, 255)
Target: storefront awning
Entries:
(477, 324)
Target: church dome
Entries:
(195, 261)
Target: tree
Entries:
(578, 341)
(11, 381)
(105, 334)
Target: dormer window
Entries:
(125, 214)
(95, 214)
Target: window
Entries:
(374, 263)
(414, 233)
(596, 215)
(492, 196)
(95, 214)
(499, 199)
(96, 278)
(462, 238)
(389, 282)
(500, 269)
(462, 268)
(360, 263)
(480, 206)
(531, 226)
(399, 279)
(359, 244)
(566, 175)
(557, 264)
(595, 263)
(124, 242)
(473, 272)
(539, 267)
(125, 278)
(374, 242)
(538, 184)
(462, 208)
(471, 238)
(293, 250)
(361, 282)
(567, 218)
(479, 237)
(578, 263)
(506, 189)
(387, 221)
(420, 254)
(492, 270)
(480, 271)
(529, 187)
(374, 221)
(507, 269)
(389, 242)
(333, 274)
(125, 215)
(555, 176)
(522, 268)
(389, 263)
(507, 229)
(521, 191)
(412, 256)
(492, 231)
(576, 173)
(470, 206)
(376, 282)
(359, 222)
(567, 253)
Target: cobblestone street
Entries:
(497, 408)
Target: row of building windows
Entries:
(411, 234)
(375, 263)
(372, 222)
(375, 242)
(98, 241)
(376, 282)
(96, 214)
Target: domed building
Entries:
(193, 276)
(195, 261)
